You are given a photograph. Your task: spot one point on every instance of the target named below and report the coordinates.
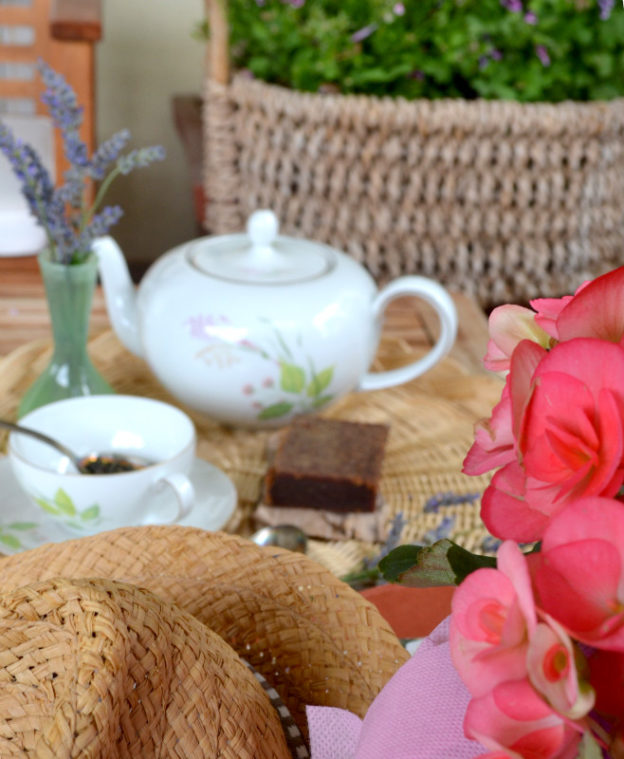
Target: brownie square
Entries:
(327, 464)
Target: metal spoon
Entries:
(82, 464)
(282, 535)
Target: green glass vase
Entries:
(69, 292)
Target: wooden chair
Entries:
(62, 33)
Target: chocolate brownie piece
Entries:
(327, 464)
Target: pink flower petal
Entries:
(505, 510)
(596, 310)
(548, 309)
(513, 716)
(494, 444)
(508, 326)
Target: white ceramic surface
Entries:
(23, 525)
(254, 329)
(123, 424)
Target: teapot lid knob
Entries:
(262, 228)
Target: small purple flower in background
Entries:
(398, 9)
(69, 223)
(515, 6)
(496, 55)
(542, 54)
(483, 61)
(293, 3)
(530, 18)
(606, 6)
(363, 33)
(417, 74)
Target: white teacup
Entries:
(129, 425)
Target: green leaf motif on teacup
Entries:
(62, 506)
(12, 541)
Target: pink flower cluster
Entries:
(539, 641)
(558, 432)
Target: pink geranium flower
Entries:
(595, 310)
(567, 421)
(514, 722)
(579, 573)
(493, 617)
(508, 326)
(552, 666)
(494, 444)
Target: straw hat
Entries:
(97, 668)
(314, 639)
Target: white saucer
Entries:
(23, 525)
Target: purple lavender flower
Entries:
(606, 6)
(483, 61)
(69, 224)
(530, 18)
(542, 54)
(103, 221)
(496, 54)
(107, 153)
(140, 158)
(515, 6)
(363, 33)
(398, 9)
(66, 114)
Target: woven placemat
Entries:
(431, 428)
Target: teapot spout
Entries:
(119, 293)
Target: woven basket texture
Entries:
(431, 428)
(311, 636)
(96, 668)
(502, 200)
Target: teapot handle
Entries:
(436, 296)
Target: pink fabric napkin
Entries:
(418, 715)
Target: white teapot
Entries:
(254, 329)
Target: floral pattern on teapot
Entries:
(292, 384)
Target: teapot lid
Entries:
(261, 256)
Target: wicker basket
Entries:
(503, 200)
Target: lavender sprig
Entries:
(69, 222)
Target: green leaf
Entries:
(443, 563)
(589, 748)
(10, 540)
(21, 526)
(64, 503)
(47, 506)
(93, 512)
(292, 379)
(320, 381)
(277, 409)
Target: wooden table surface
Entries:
(24, 316)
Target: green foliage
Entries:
(435, 48)
(443, 563)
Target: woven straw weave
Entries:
(95, 668)
(431, 428)
(502, 200)
(313, 638)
